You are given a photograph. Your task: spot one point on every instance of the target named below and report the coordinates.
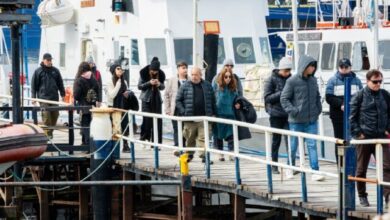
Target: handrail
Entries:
(37, 100)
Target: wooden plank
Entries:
(128, 197)
(239, 207)
(83, 195)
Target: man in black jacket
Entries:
(370, 119)
(278, 117)
(45, 84)
(195, 98)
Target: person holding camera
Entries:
(150, 83)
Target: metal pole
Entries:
(155, 141)
(236, 152)
(375, 33)
(295, 31)
(268, 157)
(349, 166)
(195, 29)
(16, 102)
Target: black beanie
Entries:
(155, 64)
(113, 67)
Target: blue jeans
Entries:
(311, 128)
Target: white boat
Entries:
(355, 40)
(161, 28)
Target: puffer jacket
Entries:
(185, 99)
(300, 97)
(335, 93)
(145, 86)
(46, 83)
(272, 90)
(370, 113)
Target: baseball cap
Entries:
(47, 56)
(345, 62)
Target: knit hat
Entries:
(285, 63)
(113, 67)
(228, 62)
(155, 64)
(345, 62)
(89, 60)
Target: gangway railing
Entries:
(302, 167)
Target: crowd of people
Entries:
(292, 101)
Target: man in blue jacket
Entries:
(301, 99)
(335, 96)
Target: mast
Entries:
(375, 32)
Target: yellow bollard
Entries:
(184, 164)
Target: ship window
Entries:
(384, 54)
(313, 50)
(62, 54)
(183, 50)
(265, 50)
(344, 51)
(221, 51)
(327, 60)
(156, 48)
(134, 52)
(243, 50)
(360, 59)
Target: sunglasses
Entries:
(229, 65)
(376, 81)
(118, 68)
(344, 67)
(228, 77)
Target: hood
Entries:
(144, 74)
(304, 61)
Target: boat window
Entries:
(344, 51)
(243, 50)
(221, 51)
(313, 50)
(384, 54)
(62, 54)
(183, 50)
(327, 60)
(134, 52)
(156, 48)
(360, 60)
(265, 50)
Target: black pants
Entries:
(363, 153)
(85, 123)
(219, 143)
(281, 123)
(147, 122)
(338, 132)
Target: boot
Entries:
(126, 148)
(275, 170)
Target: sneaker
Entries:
(126, 148)
(316, 177)
(204, 161)
(176, 153)
(221, 157)
(295, 172)
(289, 174)
(275, 170)
(231, 158)
(201, 156)
(364, 201)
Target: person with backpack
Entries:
(335, 97)
(85, 92)
(278, 117)
(96, 74)
(370, 119)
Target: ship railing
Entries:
(268, 131)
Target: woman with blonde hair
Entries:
(226, 92)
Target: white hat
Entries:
(285, 63)
(228, 62)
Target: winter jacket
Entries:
(145, 86)
(272, 90)
(300, 97)
(46, 83)
(370, 113)
(247, 109)
(112, 91)
(240, 90)
(85, 91)
(225, 109)
(185, 99)
(335, 93)
(171, 88)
